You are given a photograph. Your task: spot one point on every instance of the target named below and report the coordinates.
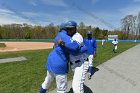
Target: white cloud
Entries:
(130, 10)
(103, 20)
(48, 2)
(46, 18)
(33, 2)
(94, 1)
(6, 11)
(55, 2)
(136, 0)
(31, 14)
(8, 17)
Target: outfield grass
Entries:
(2, 45)
(105, 53)
(27, 76)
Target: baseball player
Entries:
(57, 62)
(79, 62)
(91, 45)
(114, 42)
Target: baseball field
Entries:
(27, 76)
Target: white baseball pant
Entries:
(90, 59)
(80, 69)
(116, 47)
(61, 82)
(102, 43)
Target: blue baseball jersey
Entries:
(91, 45)
(58, 58)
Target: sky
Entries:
(106, 14)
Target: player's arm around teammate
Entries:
(57, 64)
(79, 63)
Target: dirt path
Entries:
(20, 46)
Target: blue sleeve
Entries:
(74, 46)
(84, 40)
(70, 46)
(83, 49)
(58, 36)
(95, 45)
(76, 50)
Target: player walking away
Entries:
(115, 42)
(79, 62)
(91, 45)
(57, 61)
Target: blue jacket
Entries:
(91, 45)
(58, 58)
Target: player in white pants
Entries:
(80, 70)
(91, 45)
(79, 63)
(61, 82)
(57, 62)
(115, 42)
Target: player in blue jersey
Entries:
(91, 45)
(57, 61)
(79, 62)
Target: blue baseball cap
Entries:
(71, 24)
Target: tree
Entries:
(51, 30)
(81, 25)
(131, 26)
(97, 32)
(105, 33)
(28, 35)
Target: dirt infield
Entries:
(20, 46)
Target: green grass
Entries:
(2, 45)
(27, 76)
(105, 53)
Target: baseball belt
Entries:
(77, 61)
